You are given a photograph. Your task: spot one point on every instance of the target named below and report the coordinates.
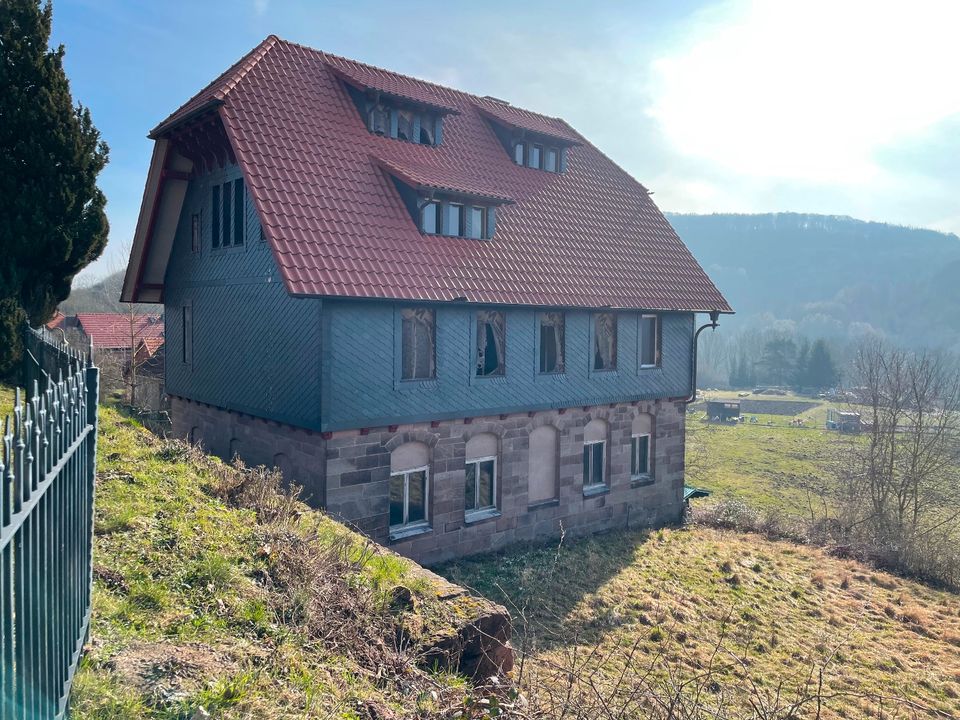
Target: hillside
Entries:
(201, 601)
(101, 296)
(632, 623)
(834, 276)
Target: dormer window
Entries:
(537, 156)
(430, 218)
(456, 219)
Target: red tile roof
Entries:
(589, 237)
(112, 331)
(147, 348)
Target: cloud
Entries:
(809, 90)
(260, 7)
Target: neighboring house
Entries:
(118, 332)
(456, 323)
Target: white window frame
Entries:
(656, 341)
(603, 468)
(407, 527)
(634, 456)
(475, 513)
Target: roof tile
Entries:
(590, 237)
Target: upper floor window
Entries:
(649, 341)
(535, 155)
(227, 214)
(186, 333)
(491, 341)
(456, 220)
(454, 224)
(430, 218)
(417, 344)
(605, 341)
(551, 342)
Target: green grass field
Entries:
(770, 464)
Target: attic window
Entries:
(538, 156)
(456, 219)
(395, 118)
(227, 214)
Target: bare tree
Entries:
(900, 482)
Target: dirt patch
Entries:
(167, 673)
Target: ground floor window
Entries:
(640, 455)
(594, 457)
(409, 493)
(481, 487)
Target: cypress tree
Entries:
(52, 220)
(821, 370)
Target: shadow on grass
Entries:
(542, 583)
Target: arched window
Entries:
(234, 448)
(595, 454)
(641, 447)
(542, 464)
(193, 437)
(409, 487)
(480, 489)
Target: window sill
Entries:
(543, 504)
(650, 367)
(641, 480)
(406, 533)
(594, 490)
(476, 516)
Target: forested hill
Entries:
(833, 276)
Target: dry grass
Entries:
(216, 589)
(751, 609)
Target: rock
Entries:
(200, 714)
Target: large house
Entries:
(454, 322)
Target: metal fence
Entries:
(47, 469)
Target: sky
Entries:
(837, 107)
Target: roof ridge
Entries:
(220, 86)
(431, 83)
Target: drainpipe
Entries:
(714, 317)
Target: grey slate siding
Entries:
(255, 349)
(361, 385)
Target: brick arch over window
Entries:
(409, 455)
(543, 465)
(428, 439)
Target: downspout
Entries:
(714, 317)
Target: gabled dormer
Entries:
(531, 140)
(445, 202)
(388, 111)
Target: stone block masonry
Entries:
(348, 472)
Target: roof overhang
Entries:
(374, 88)
(163, 196)
(429, 182)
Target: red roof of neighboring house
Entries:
(56, 321)
(147, 348)
(112, 331)
(589, 237)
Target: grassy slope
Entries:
(184, 614)
(782, 606)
